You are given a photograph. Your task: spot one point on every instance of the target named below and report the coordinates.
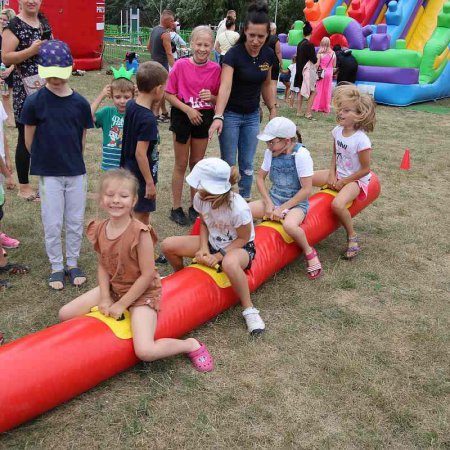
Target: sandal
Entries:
(75, 272)
(14, 269)
(201, 359)
(315, 267)
(352, 250)
(58, 276)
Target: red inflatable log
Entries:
(80, 23)
(47, 368)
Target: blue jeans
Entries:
(239, 137)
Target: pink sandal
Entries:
(201, 359)
(315, 267)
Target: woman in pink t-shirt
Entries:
(191, 89)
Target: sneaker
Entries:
(8, 242)
(255, 324)
(178, 216)
(193, 214)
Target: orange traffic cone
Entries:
(405, 165)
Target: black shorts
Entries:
(183, 128)
(249, 247)
(144, 205)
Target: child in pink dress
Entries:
(326, 60)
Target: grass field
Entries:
(356, 359)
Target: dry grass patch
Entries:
(356, 359)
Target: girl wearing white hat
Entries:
(290, 169)
(226, 234)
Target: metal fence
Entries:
(117, 44)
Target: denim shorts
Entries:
(249, 247)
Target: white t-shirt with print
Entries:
(347, 149)
(303, 162)
(222, 222)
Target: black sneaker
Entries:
(178, 216)
(193, 214)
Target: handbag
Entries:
(32, 83)
(321, 71)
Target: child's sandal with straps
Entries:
(353, 247)
(201, 359)
(313, 271)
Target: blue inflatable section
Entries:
(404, 94)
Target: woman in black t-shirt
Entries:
(21, 43)
(246, 73)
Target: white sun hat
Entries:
(212, 175)
(279, 127)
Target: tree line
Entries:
(199, 12)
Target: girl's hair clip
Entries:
(122, 73)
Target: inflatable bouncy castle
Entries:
(47, 368)
(80, 23)
(402, 46)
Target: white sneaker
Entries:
(255, 324)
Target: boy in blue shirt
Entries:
(140, 136)
(56, 119)
(110, 118)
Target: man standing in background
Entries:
(159, 45)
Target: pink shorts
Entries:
(363, 190)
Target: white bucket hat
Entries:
(212, 175)
(279, 127)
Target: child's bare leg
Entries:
(320, 177)
(143, 324)
(299, 103)
(144, 217)
(347, 194)
(177, 247)
(81, 305)
(233, 264)
(292, 227)
(257, 208)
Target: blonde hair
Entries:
(221, 199)
(9, 13)
(118, 175)
(201, 29)
(362, 103)
(324, 45)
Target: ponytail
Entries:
(257, 14)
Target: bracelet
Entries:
(219, 117)
(222, 252)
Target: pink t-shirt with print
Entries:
(187, 79)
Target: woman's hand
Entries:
(195, 116)
(35, 46)
(205, 95)
(217, 125)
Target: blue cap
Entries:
(55, 60)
